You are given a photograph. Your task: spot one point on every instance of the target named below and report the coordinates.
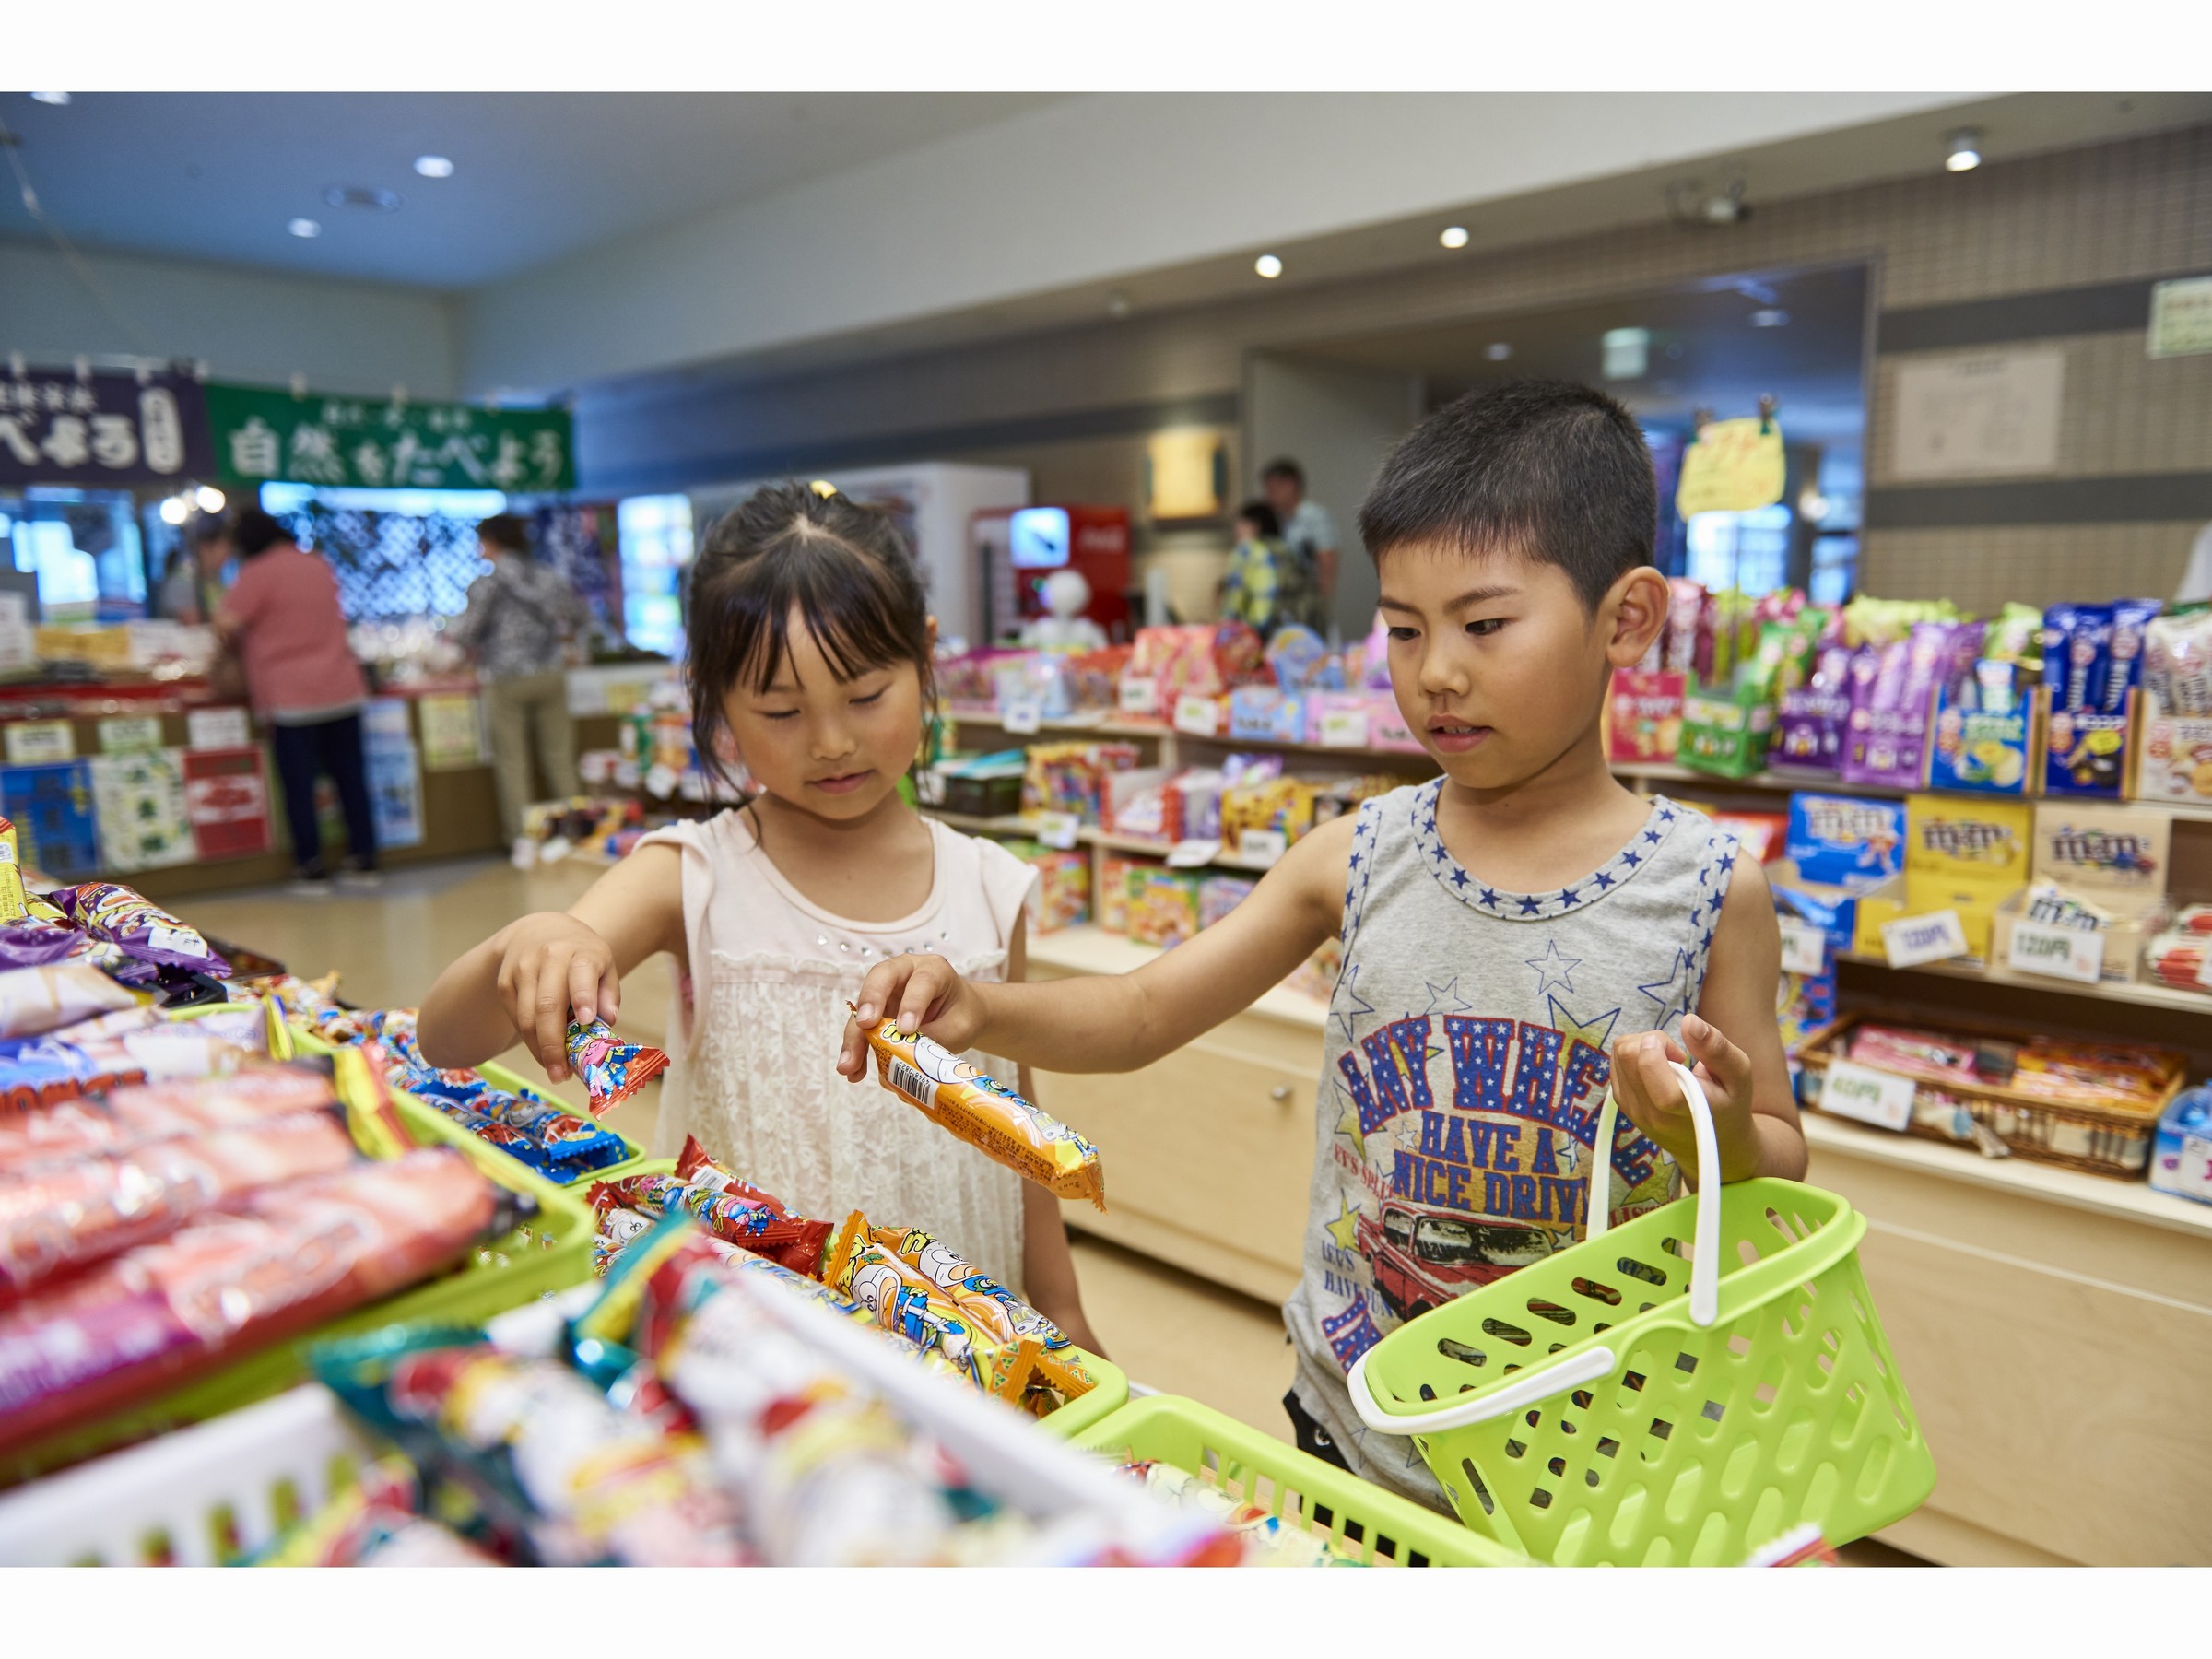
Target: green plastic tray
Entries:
(1264, 1472)
(549, 1252)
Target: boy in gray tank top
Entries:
(1518, 935)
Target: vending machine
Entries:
(1017, 550)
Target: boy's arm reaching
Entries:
(1119, 1022)
(1748, 1079)
(527, 977)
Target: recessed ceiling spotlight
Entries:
(304, 227)
(49, 97)
(1769, 318)
(434, 167)
(210, 498)
(1498, 351)
(1268, 265)
(1455, 236)
(1962, 150)
(175, 511)
(365, 197)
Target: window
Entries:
(81, 548)
(657, 548)
(1446, 1243)
(1397, 1227)
(1747, 551)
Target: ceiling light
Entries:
(1268, 265)
(1455, 236)
(1626, 352)
(1769, 318)
(1117, 304)
(434, 167)
(210, 498)
(49, 97)
(174, 511)
(304, 227)
(1963, 150)
(1498, 351)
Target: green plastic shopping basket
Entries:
(1651, 1397)
(1258, 1469)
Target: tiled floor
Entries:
(1169, 1330)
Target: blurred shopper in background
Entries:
(1307, 527)
(283, 619)
(518, 620)
(1269, 583)
(193, 584)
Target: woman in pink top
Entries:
(282, 617)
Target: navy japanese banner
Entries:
(58, 427)
(263, 436)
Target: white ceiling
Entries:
(537, 175)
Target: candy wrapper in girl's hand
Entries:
(142, 928)
(987, 1114)
(611, 1071)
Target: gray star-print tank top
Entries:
(1467, 1058)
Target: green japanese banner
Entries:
(367, 443)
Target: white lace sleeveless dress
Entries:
(761, 1010)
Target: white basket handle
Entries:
(1542, 1381)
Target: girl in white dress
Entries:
(810, 658)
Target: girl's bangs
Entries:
(847, 603)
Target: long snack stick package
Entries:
(987, 1114)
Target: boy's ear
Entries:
(1636, 611)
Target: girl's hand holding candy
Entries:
(549, 963)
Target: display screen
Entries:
(1039, 537)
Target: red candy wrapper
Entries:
(148, 1111)
(230, 1283)
(732, 1210)
(611, 1071)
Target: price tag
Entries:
(1873, 1096)
(216, 729)
(34, 742)
(1262, 846)
(1189, 855)
(1200, 716)
(1934, 937)
(2068, 953)
(1023, 715)
(1140, 696)
(129, 734)
(1804, 946)
(1057, 828)
(1344, 728)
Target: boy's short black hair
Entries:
(1286, 468)
(1554, 471)
(1261, 517)
(505, 530)
(254, 532)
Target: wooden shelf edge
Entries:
(2132, 991)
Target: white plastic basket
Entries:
(190, 1499)
(195, 1497)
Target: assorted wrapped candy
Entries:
(612, 1071)
(986, 1114)
(729, 1208)
(231, 1282)
(376, 1523)
(902, 1301)
(1265, 1539)
(131, 1117)
(34, 1001)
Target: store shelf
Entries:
(1091, 949)
(1014, 824)
(2149, 996)
(2126, 1200)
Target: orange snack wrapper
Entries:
(986, 1114)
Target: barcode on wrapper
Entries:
(908, 1081)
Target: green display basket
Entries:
(1258, 1469)
(549, 1252)
(1664, 1393)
